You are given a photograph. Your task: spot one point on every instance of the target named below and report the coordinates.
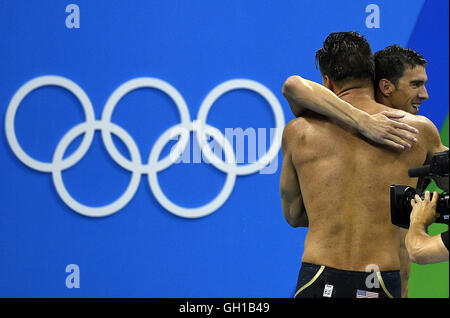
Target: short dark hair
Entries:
(391, 63)
(346, 55)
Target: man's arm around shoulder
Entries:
(303, 95)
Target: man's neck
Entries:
(380, 98)
(356, 93)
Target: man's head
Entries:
(345, 56)
(400, 78)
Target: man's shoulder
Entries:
(417, 121)
(422, 123)
(294, 130)
(427, 130)
(296, 126)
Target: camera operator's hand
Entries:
(424, 212)
(422, 248)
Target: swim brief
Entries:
(316, 281)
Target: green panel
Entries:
(431, 281)
(444, 133)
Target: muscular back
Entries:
(344, 182)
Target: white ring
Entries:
(23, 91)
(122, 90)
(58, 181)
(279, 125)
(202, 210)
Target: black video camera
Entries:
(401, 196)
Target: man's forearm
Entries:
(303, 94)
(415, 239)
(424, 249)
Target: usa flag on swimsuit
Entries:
(365, 294)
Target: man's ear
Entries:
(386, 87)
(328, 82)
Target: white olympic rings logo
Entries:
(154, 165)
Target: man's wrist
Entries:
(418, 224)
(360, 119)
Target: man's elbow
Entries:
(296, 90)
(294, 85)
(416, 257)
(287, 86)
(297, 223)
(294, 221)
(416, 252)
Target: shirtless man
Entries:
(336, 182)
(400, 79)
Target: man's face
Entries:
(410, 90)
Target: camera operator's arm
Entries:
(303, 95)
(422, 248)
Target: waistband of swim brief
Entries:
(342, 271)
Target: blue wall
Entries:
(242, 249)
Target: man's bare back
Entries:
(344, 182)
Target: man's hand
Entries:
(424, 212)
(383, 128)
(422, 248)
